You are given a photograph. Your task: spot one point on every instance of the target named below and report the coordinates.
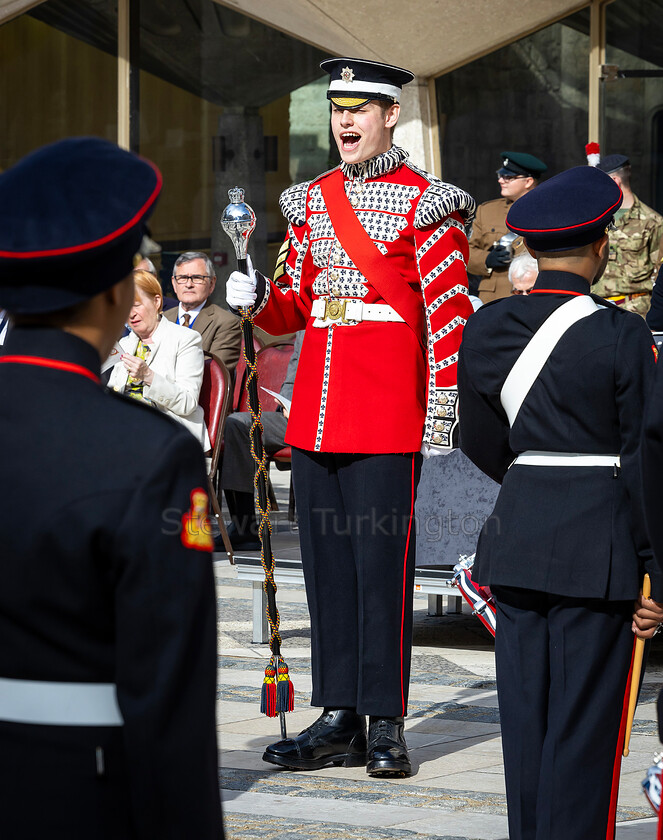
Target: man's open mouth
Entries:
(350, 140)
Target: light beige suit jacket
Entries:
(176, 357)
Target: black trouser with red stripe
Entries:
(562, 670)
(357, 535)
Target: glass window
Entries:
(530, 96)
(218, 100)
(632, 101)
(215, 106)
(57, 80)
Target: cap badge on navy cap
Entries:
(355, 81)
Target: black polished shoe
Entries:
(387, 750)
(337, 737)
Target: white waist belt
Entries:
(566, 459)
(350, 311)
(59, 703)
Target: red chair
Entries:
(272, 364)
(239, 385)
(215, 394)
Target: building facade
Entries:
(219, 94)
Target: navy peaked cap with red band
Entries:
(72, 216)
(568, 211)
(355, 81)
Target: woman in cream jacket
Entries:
(163, 362)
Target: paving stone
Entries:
(252, 827)
(457, 792)
(367, 790)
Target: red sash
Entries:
(378, 270)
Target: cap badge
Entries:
(506, 162)
(347, 75)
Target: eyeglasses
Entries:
(197, 279)
(508, 178)
(520, 291)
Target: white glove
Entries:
(430, 450)
(241, 288)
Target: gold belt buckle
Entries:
(335, 310)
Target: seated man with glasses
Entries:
(194, 280)
(523, 271)
(489, 260)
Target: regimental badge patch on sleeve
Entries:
(196, 530)
(655, 349)
(279, 271)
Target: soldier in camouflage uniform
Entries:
(636, 245)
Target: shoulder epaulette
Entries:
(607, 304)
(293, 200)
(293, 203)
(440, 199)
(492, 201)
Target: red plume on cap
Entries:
(593, 152)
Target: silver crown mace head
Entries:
(238, 221)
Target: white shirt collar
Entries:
(193, 313)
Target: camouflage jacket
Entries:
(635, 252)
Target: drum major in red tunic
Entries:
(367, 387)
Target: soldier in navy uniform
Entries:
(107, 602)
(553, 388)
(373, 268)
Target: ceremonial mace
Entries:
(277, 696)
(638, 655)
